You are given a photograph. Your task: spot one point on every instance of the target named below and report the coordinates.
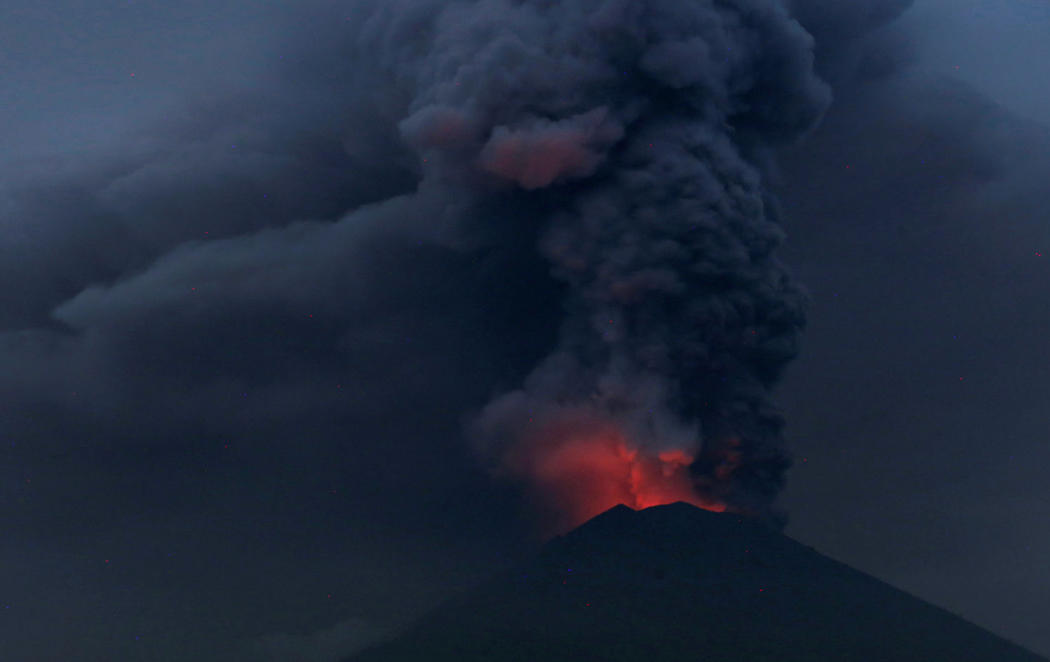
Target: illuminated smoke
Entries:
(633, 131)
(578, 466)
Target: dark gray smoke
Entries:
(632, 131)
(381, 230)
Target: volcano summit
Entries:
(676, 582)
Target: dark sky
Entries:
(246, 330)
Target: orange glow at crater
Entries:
(579, 473)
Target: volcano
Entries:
(676, 582)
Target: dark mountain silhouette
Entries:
(679, 583)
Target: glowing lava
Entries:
(577, 474)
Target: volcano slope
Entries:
(679, 583)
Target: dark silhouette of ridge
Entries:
(677, 583)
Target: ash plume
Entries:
(549, 214)
(634, 131)
(267, 263)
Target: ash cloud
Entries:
(583, 175)
(632, 126)
(268, 311)
(625, 136)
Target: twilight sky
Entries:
(265, 326)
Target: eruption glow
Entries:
(577, 473)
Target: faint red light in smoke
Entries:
(579, 473)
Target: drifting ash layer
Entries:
(679, 583)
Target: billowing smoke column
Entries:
(635, 125)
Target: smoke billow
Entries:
(635, 130)
(466, 164)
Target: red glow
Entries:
(580, 473)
